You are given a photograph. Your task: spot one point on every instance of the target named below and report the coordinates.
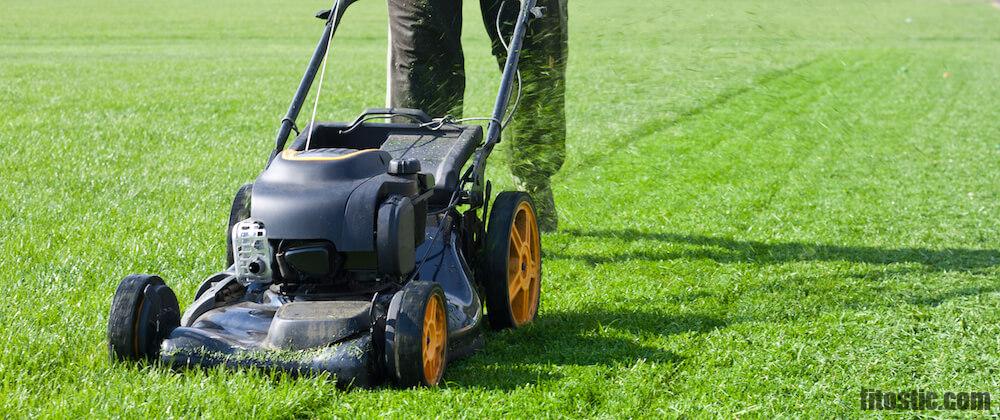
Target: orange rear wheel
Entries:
(513, 261)
(435, 339)
(524, 264)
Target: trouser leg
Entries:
(426, 64)
(536, 136)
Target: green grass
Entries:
(768, 206)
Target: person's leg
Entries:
(426, 65)
(537, 134)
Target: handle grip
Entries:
(414, 114)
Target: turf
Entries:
(768, 205)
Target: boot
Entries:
(545, 205)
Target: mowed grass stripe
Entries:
(656, 122)
(662, 180)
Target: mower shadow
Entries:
(725, 250)
(589, 337)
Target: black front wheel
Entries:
(144, 311)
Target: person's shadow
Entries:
(726, 250)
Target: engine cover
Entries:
(306, 197)
(335, 195)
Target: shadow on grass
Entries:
(725, 250)
(964, 292)
(589, 337)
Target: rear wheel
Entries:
(513, 262)
(143, 313)
(416, 348)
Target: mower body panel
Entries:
(446, 265)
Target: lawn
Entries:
(768, 205)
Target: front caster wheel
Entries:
(513, 262)
(143, 313)
(416, 335)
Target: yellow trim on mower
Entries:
(289, 154)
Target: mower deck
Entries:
(254, 334)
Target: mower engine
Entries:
(334, 217)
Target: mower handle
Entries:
(382, 113)
(413, 114)
(288, 122)
(476, 173)
(325, 13)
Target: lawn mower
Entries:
(359, 250)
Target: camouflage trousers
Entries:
(427, 71)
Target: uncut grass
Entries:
(767, 206)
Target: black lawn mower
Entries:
(358, 251)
